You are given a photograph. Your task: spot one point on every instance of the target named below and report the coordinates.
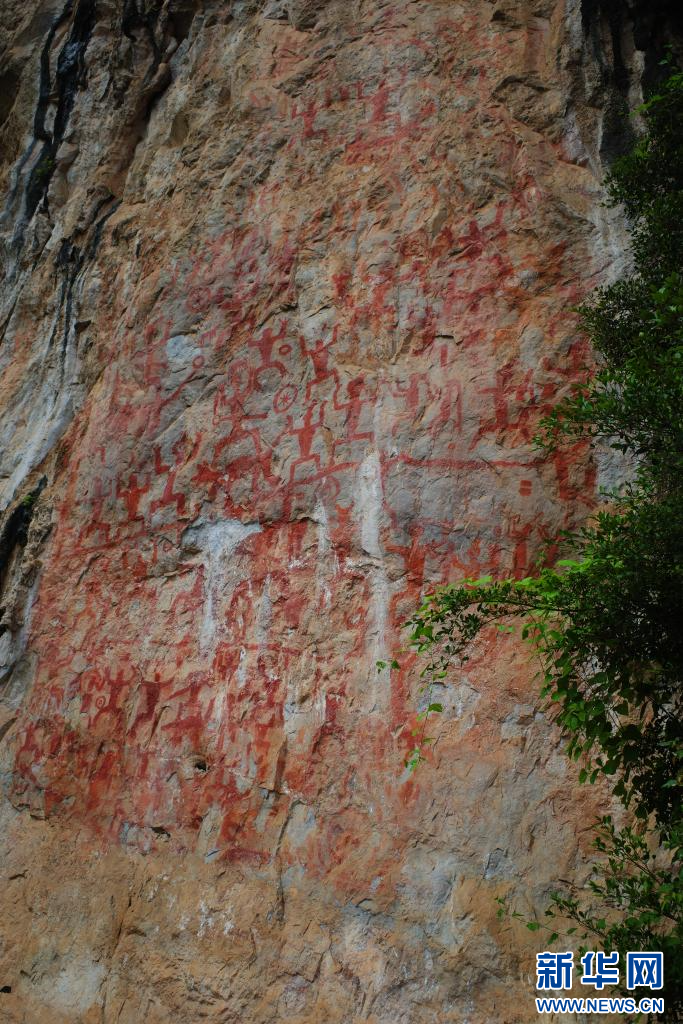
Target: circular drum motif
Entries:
(285, 398)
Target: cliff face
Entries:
(286, 288)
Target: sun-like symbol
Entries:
(285, 398)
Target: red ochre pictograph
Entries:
(327, 408)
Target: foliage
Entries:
(44, 168)
(640, 892)
(607, 622)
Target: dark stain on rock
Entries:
(69, 77)
(15, 531)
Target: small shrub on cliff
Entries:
(608, 622)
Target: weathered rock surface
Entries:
(286, 288)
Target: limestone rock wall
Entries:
(286, 289)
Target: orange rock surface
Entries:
(287, 287)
